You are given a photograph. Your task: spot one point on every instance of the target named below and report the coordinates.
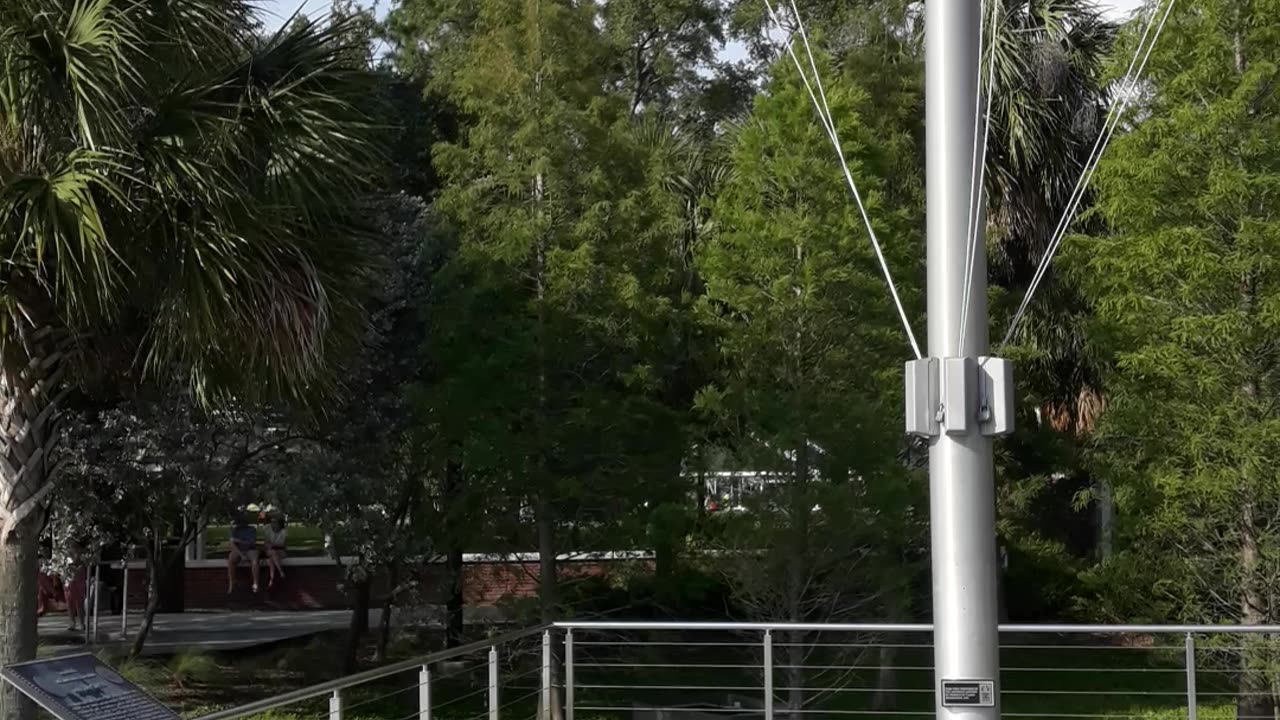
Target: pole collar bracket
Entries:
(957, 395)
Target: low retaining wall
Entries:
(318, 583)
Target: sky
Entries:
(279, 10)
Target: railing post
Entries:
(1191, 677)
(124, 594)
(546, 675)
(493, 683)
(424, 693)
(768, 675)
(568, 674)
(335, 705)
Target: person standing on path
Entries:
(77, 585)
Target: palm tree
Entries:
(179, 195)
(1049, 103)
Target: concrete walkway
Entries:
(219, 632)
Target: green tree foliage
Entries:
(546, 296)
(665, 47)
(810, 351)
(810, 345)
(1185, 288)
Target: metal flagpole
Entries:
(957, 398)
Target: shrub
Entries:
(195, 668)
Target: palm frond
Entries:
(73, 64)
(56, 230)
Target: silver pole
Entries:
(1191, 677)
(424, 693)
(493, 683)
(568, 674)
(768, 675)
(961, 482)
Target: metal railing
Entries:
(705, 670)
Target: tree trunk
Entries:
(30, 389)
(153, 600)
(455, 621)
(359, 624)
(548, 587)
(19, 571)
(454, 624)
(886, 695)
(897, 609)
(1106, 521)
(798, 580)
(1254, 701)
(384, 622)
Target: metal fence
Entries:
(699, 671)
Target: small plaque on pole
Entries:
(968, 693)
(80, 687)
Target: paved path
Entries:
(210, 632)
(219, 631)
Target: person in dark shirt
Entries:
(244, 546)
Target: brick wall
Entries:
(316, 584)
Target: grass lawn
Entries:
(304, 540)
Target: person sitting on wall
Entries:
(277, 536)
(244, 546)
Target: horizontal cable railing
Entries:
(587, 670)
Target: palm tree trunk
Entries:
(19, 569)
(30, 388)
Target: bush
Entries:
(142, 673)
(195, 668)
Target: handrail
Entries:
(917, 627)
(327, 688)
(342, 683)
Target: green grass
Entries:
(304, 540)
(194, 669)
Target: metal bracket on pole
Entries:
(950, 395)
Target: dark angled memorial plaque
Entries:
(79, 687)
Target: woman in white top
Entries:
(275, 547)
